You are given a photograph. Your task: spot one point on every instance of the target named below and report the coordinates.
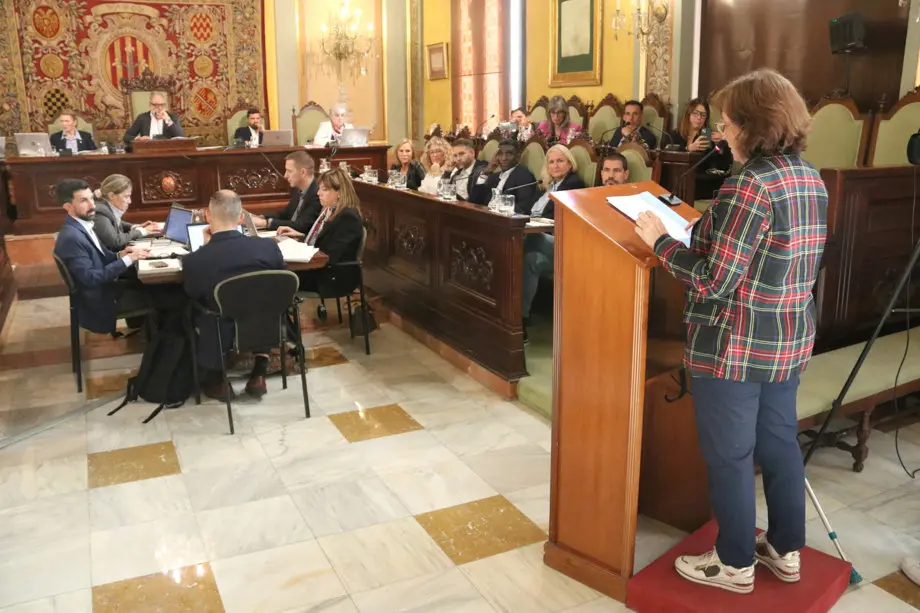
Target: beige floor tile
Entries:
(137, 502)
(344, 506)
(435, 486)
(38, 568)
(511, 468)
(899, 585)
(254, 526)
(132, 464)
(871, 599)
(480, 529)
(191, 589)
(80, 601)
(324, 355)
(375, 422)
(444, 592)
(213, 488)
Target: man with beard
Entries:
(614, 169)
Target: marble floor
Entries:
(412, 488)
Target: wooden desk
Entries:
(161, 179)
(319, 261)
(673, 173)
(452, 268)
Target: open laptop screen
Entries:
(176, 222)
(196, 235)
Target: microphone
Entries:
(269, 162)
(479, 127)
(663, 134)
(517, 187)
(716, 147)
(606, 132)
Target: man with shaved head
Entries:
(158, 123)
(226, 254)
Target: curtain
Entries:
(479, 41)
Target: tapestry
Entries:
(58, 54)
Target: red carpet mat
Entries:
(659, 589)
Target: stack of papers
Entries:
(295, 251)
(633, 205)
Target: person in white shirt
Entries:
(466, 167)
(69, 137)
(436, 160)
(158, 123)
(331, 130)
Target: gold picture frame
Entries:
(576, 53)
(438, 61)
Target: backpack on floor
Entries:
(165, 376)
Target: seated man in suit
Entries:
(330, 131)
(466, 168)
(227, 253)
(158, 123)
(614, 169)
(71, 138)
(93, 268)
(632, 130)
(253, 128)
(505, 174)
(304, 207)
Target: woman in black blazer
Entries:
(68, 121)
(338, 232)
(559, 174)
(407, 165)
(694, 135)
(112, 201)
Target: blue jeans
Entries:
(740, 423)
(538, 262)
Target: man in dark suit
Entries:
(303, 209)
(505, 174)
(226, 254)
(71, 138)
(632, 130)
(252, 129)
(95, 270)
(466, 169)
(158, 123)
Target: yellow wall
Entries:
(616, 69)
(437, 96)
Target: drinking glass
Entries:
(371, 175)
(450, 192)
(507, 205)
(324, 165)
(400, 180)
(494, 201)
(343, 165)
(393, 178)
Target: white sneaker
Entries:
(787, 568)
(708, 569)
(911, 568)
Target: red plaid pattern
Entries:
(752, 264)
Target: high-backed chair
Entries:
(640, 166)
(82, 124)
(578, 112)
(586, 158)
(656, 114)
(534, 155)
(839, 134)
(537, 111)
(489, 150)
(891, 131)
(137, 92)
(306, 122)
(238, 119)
(605, 117)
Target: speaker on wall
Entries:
(848, 33)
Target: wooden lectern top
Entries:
(162, 145)
(591, 205)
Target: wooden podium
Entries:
(617, 324)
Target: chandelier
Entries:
(642, 22)
(346, 46)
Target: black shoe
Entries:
(526, 337)
(524, 325)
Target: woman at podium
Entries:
(750, 269)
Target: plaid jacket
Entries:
(750, 269)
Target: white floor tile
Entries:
(445, 592)
(254, 526)
(870, 598)
(138, 502)
(347, 505)
(214, 488)
(73, 602)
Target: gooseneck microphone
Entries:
(517, 187)
(663, 134)
(716, 147)
(479, 127)
(605, 133)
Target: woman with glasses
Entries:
(694, 135)
(750, 270)
(558, 128)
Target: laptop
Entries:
(354, 137)
(250, 229)
(278, 138)
(176, 222)
(196, 234)
(33, 144)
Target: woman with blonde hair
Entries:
(560, 173)
(750, 269)
(558, 128)
(437, 159)
(407, 165)
(112, 201)
(337, 232)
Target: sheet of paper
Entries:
(295, 251)
(633, 205)
(159, 251)
(155, 267)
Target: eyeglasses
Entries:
(700, 114)
(158, 104)
(720, 126)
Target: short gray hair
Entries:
(157, 95)
(226, 206)
(338, 108)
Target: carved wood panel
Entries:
(168, 185)
(471, 266)
(409, 247)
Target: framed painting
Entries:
(437, 61)
(576, 31)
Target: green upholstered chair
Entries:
(533, 157)
(640, 168)
(836, 135)
(537, 112)
(586, 160)
(655, 113)
(578, 112)
(892, 131)
(488, 150)
(306, 122)
(82, 124)
(605, 117)
(238, 119)
(137, 92)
